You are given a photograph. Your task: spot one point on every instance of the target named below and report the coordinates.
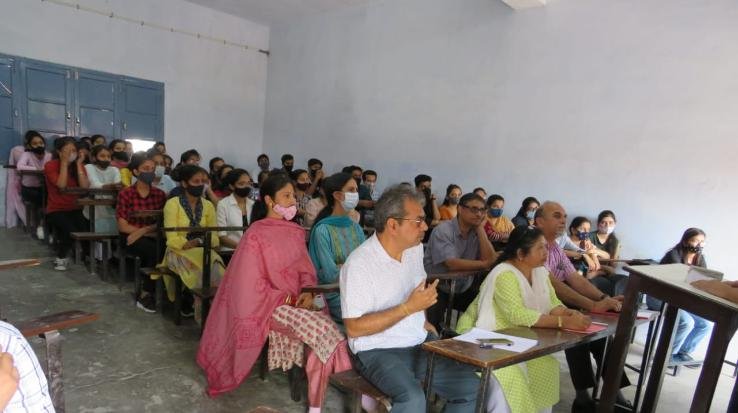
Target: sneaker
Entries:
(146, 304)
(40, 232)
(187, 313)
(61, 264)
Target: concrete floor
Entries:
(130, 361)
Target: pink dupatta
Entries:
(270, 262)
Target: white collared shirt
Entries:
(229, 215)
(32, 395)
(372, 281)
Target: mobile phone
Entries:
(491, 342)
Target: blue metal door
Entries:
(48, 94)
(95, 104)
(141, 110)
(8, 108)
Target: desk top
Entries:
(36, 172)
(454, 275)
(550, 341)
(92, 191)
(95, 202)
(674, 276)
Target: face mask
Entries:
(427, 192)
(148, 178)
(73, 157)
(38, 150)
(495, 212)
(288, 168)
(242, 192)
(350, 200)
(582, 235)
(103, 164)
(159, 171)
(264, 166)
(303, 186)
(196, 190)
(607, 230)
(696, 249)
(531, 215)
(454, 200)
(287, 213)
(358, 181)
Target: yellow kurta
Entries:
(188, 263)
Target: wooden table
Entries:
(452, 277)
(549, 341)
(668, 283)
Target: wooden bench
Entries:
(92, 237)
(354, 383)
(47, 327)
(263, 409)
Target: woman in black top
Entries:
(527, 212)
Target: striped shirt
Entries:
(558, 263)
(32, 395)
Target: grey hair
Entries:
(392, 204)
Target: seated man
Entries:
(460, 244)
(23, 386)
(576, 292)
(383, 297)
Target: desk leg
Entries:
(600, 365)
(620, 346)
(663, 351)
(721, 336)
(482, 393)
(429, 380)
(450, 308)
(644, 362)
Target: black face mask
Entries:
(698, 249)
(427, 193)
(288, 168)
(103, 164)
(358, 181)
(120, 156)
(38, 150)
(147, 177)
(196, 191)
(303, 186)
(242, 192)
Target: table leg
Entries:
(663, 352)
(647, 348)
(482, 393)
(429, 380)
(450, 308)
(721, 336)
(600, 365)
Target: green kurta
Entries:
(531, 387)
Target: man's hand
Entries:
(607, 304)
(431, 328)
(9, 379)
(422, 297)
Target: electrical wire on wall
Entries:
(112, 15)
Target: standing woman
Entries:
(34, 159)
(184, 254)
(66, 170)
(103, 175)
(335, 235)
(235, 209)
(261, 297)
(527, 212)
(449, 209)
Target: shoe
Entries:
(687, 358)
(583, 406)
(189, 313)
(146, 304)
(40, 232)
(61, 264)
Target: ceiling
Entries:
(272, 11)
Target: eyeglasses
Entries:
(418, 221)
(475, 210)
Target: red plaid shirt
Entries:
(129, 200)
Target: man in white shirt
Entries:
(383, 299)
(23, 386)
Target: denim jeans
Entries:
(690, 330)
(398, 373)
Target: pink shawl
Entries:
(270, 262)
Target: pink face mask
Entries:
(286, 213)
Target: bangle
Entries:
(560, 322)
(404, 309)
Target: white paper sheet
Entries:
(519, 344)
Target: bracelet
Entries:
(560, 325)
(289, 300)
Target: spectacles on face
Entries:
(475, 210)
(418, 221)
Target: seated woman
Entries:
(579, 248)
(119, 156)
(497, 227)
(691, 329)
(302, 185)
(161, 181)
(66, 170)
(450, 205)
(335, 234)
(140, 232)
(33, 159)
(527, 212)
(607, 246)
(235, 209)
(261, 297)
(220, 187)
(518, 292)
(103, 175)
(184, 254)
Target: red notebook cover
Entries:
(593, 328)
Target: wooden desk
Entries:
(668, 283)
(549, 341)
(89, 191)
(452, 277)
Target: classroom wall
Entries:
(214, 94)
(625, 105)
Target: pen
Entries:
(599, 324)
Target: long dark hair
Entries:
(526, 204)
(450, 188)
(522, 238)
(689, 233)
(61, 142)
(270, 187)
(333, 183)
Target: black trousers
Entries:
(66, 222)
(34, 196)
(145, 248)
(580, 364)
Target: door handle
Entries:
(77, 120)
(69, 116)
(125, 126)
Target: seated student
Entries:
(162, 181)
(314, 206)
(160, 147)
(168, 161)
(355, 172)
(448, 209)
(261, 297)
(302, 184)
(498, 227)
(518, 293)
(97, 140)
(184, 254)
(423, 185)
(129, 149)
(220, 188)
(263, 162)
(66, 170)
(102, 175)
(334, 234)
(140, 232)
(33, 159)
(119, 156)
(579, 248)
(527, 212)
(315, 168)
(288, 162)
(383, 299)
(577, 292)
(606, 246)
(367, 196)
(691, 329)
(23, 386)
(480, 191)
(235, 209)
(215, 164)
(459, 244)
(192, 157)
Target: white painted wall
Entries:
(627, 105)
(214, 94)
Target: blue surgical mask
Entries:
(582, 235)
(530, 215)
(495, 212)
(350, 200)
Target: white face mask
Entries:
(607, 230)
(72, 157)
(350, 200)
(159, 171)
